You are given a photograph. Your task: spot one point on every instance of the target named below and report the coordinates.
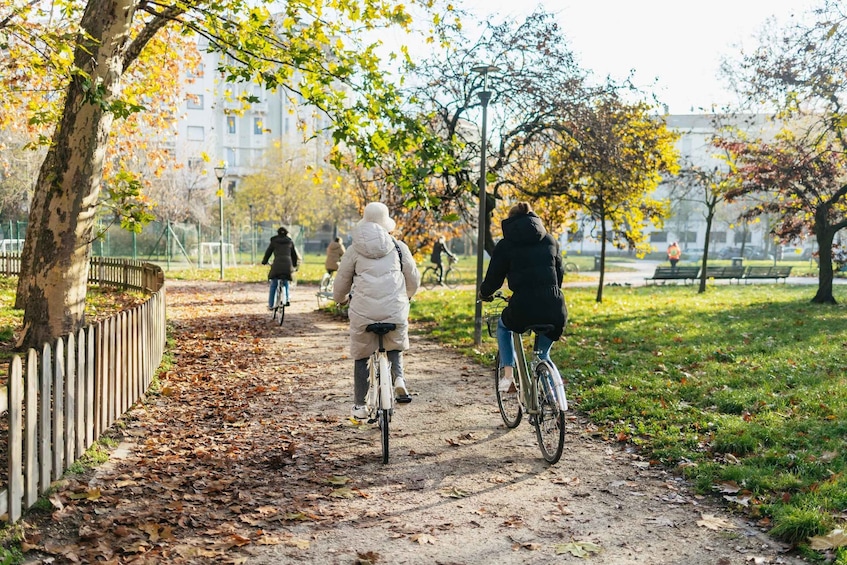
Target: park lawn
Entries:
(742, 389)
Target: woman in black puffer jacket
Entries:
(285, 263)
(528, 258)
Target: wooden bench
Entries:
(685, 274)
(725, 273)
(766, 273)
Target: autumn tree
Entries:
(798, 71)
(338, 73)
(807, 185)
(608, 165)
(533, 97)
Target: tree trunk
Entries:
(824, 236)
(54, 262)
(710, 215)
(599, 297)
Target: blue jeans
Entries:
(274, 284)
(507, 347)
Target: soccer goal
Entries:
(210, 254)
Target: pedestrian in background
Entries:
(674, 254)
(334, 251)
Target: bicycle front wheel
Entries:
(451, 278)
(550, 421)
(508, 402)
(429, 279)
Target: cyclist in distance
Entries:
(528, 258)
(438, 248)
(378, 276)
(334, 251)
(285, 263)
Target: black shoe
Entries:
(288, 303)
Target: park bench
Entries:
(766, 273)
(685, 274)
(725, 273)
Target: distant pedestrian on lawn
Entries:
(285, 263)
(334, 252)
(378, 276)
(674, 254)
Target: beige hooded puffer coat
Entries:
(379, 291)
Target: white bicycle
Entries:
(380, 398)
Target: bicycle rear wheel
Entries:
(429, 279)
(386, 401)
(277, 300)
(550, 421)
(281, 309)
(383, 426)
(508, 402)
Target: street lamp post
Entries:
(252, 238)
(484, 97)
(220, 173)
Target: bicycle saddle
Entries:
(382, 328)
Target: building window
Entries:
(196, 133)
(196, 71)
(195, 101)
(688, 237)
(230, 157)
(230, 124)
(195, 164)
(230, 189)
(717, 237)
(257, 126)
(659, 237)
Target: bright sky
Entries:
(678, 42)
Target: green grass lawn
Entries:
(742, 389)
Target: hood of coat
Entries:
(372, 241)
(524, 229)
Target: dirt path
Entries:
(275, 466)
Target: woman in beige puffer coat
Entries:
(378, 275)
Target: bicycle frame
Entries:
(529, 384)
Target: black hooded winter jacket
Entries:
(528, 257)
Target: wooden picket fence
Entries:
(60, 400)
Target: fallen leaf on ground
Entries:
(714, 522)
(835, 538)
(578, 548)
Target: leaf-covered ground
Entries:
(248, 456)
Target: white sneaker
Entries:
(401, 394)
(507, 384)
(360, 412)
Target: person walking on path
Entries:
(334, 251)
(438, 248)
(528, 257)
(285, 263)
(378, 276)
(674, 254)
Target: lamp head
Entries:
(220, 172)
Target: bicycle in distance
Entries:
(450, 277)
(539, 391)
(324, 293)
(380, 398)
(278, 308)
